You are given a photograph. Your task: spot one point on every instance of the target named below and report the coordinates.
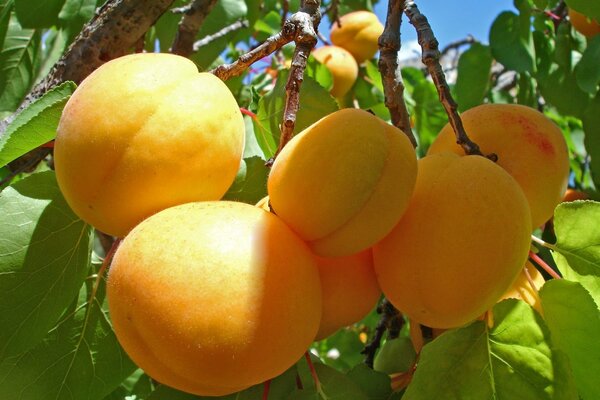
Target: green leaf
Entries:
(6, 7)
(316, 103)
(575, 325)
(472, 82)
(44, 258)
(81, 10)
(578, 243)
(17, 61)
(334, 386)
(429, 114)
(250, 184)
(587, 71)
(376, 385)
(512, 360)
(38, 13)
(561, 91)
(511, 44)
(587, 7)
(35, 125)
(319, 72)
(591, 127)
(396, 355)
(79, 359)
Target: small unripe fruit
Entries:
(142, 133)
(359, 34)
(342, 66)
(343, 182)
(213, 297)
(530, 147)
(588, 27)
(460, 245)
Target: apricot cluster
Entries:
(354, 40)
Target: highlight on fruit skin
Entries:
(142, 133)
(341, 64)
(358, 33)
(343, 182)
(213, 297)
(460, 244)
(588, 27)
(350, 290)
(529, 145)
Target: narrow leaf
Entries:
(35, 125)
(574, 320)
(44, 258)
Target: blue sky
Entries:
(450, 20)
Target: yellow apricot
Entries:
(530, 147)
(521, 288)
(573, 195)
(142, 133)
(459, 245)
(358, 33)
(350, 290)
(584, 25)
(358, 173)
(213, 297)
(342, 66)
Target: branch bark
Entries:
(236, 26)
(390, 320)
(431, 58)
(393, 88)
(193, 18)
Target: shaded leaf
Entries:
(35, 125)
(591, 127)
(561, 91)
(250, 184)
(375, 385)
(511, 44)
(44, 258)
(574, 320)
(472, 82)
(587, 7)
(38, 13)
(587, 71)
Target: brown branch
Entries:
(193, 18)
(114, 31)
(390, 320)
(307, 20)
(285, 8)
(389, 46)
(457, 44)
(334, 10)
(236, 26)
(431, 57)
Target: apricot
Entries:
(460, 244)
(358, 33)
(342, 66)
(573, 195)
(358, 173)
(530, 147)
(350, 290)
(588, 27)
(142, 133)
(521, 288)
(213, 297)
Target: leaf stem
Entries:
(314, 375)
(544, 265)
(266, 388)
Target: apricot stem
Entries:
(544, 265)
(431, 58)
(393, 88)
(194, 15)
(313, 373)
(266, 387)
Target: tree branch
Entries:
(431, 57)
(236, 26)
(193, 18)
(390, 320)
(389, 46)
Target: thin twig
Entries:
(393, 88)
(313, 372)
(431, 58)
(190, 24)
(539, 261)
(334, 10)
(458, 44)
(236, 26)
(28, 163)
(391, 320)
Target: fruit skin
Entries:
(359, 33)
(142, 133)
(342, 66)
(572, 195)
(358, 173)
(213, 297)
(460, 244)
(350, 290)
(529, 146)
(584, 25)
(522, 290)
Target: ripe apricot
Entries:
(529, 146)
(521, 288)
(213, 297)
(142, 133)
(342, 66)
(350, 290)
(358, 173)
(572, 195)
(358, 33)
(586, 26)
(459, 245)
